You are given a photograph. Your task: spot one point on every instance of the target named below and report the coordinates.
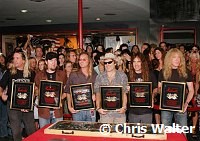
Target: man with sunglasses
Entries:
(111, 77)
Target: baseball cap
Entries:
(51, 55)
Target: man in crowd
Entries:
(111, 77)
(50, 115)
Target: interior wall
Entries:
(147, 31)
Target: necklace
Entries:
(111, 77)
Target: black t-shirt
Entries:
(7, 80)
(51, 76)
(175, 76)
(140, 111)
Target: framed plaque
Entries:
(140, 94)
(22, 95)
(50, 93)
(172, 96)
(111, 97)
(82, 96)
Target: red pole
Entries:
(1, 43)
(80, 23)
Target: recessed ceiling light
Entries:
(74, 34)
(48, 21)
(86, 7)
(10, 19)
(24, 11)
(98, 19)
(110, 14)
(37, 0)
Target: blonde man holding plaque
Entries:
(174, 70)
(111, 77)
(18, 73)
(84, 75)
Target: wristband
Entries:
(97, 109)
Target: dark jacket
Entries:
(60, 76)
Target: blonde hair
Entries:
(167, 68)
(90, 68)
(191, 56)
(26, 72)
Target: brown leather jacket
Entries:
(60, 76)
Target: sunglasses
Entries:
(108, 62)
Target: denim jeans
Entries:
(180, 118)
(16, 118)
(51, 119)
(3, 119)
(144, 118)
(85, 115)
(112, 117)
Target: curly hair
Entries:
(144, 68)
(167, 68)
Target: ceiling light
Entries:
(10, 19)
(24, 11)
(110, 14)
(131, 32)
(48, 21)
(74, 34)
(98, 19)
(37, 0)
(86, 7)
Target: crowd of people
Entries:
(98, 66)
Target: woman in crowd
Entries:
(89, 50)
(159, 55)
(61, 61)
(68, 68)
(139, 72)
(41, 67)
(193, 66)
(135, 49)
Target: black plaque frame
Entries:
(111, 97)
(172, 96)
(22, 95)
(82, 96)
(50, 93)
(140, 94)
